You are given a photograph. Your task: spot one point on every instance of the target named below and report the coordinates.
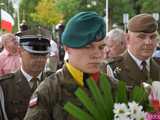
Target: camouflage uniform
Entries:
(52, 96)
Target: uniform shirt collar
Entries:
(28, 77)
(138, 61)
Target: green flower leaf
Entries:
(77, 112)
(107, 96)
(138, 94)
(88, 103)
(121, 94)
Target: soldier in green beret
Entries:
(136, 65)
(83, 40)
(18, 87)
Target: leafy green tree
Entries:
(26, 8)
(150, 6)
(33, 11)
(70, 7)
(116, 10)
(67, 7)
(7, 5)
(47, 16)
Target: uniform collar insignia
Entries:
(117, 70)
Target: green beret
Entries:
(142, 23)
(83, 29)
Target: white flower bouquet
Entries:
(132, 111)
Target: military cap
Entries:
(142, 23)
(35, 41)
(82, 29)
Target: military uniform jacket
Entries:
(125, 68)
(51, 97)
(17, 93)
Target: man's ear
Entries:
(66, 49)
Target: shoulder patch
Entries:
(7, 76)
(33, 101)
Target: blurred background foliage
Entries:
(50, 12)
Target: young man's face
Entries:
(87, 59)
(142, 45)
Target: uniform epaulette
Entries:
(111, 60)
(7, 76)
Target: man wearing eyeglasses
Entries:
(18, 87)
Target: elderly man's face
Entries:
(142, 45)
(87, 59)
(114, 48)
(11, 45)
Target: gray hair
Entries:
(116, 35)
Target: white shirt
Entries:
(28, 77)
(138, 61)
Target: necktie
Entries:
(144, 69)
(34, 80)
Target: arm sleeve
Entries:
(45, 102)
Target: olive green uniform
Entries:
(52, 95)
(17, 93)
(125, 68)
